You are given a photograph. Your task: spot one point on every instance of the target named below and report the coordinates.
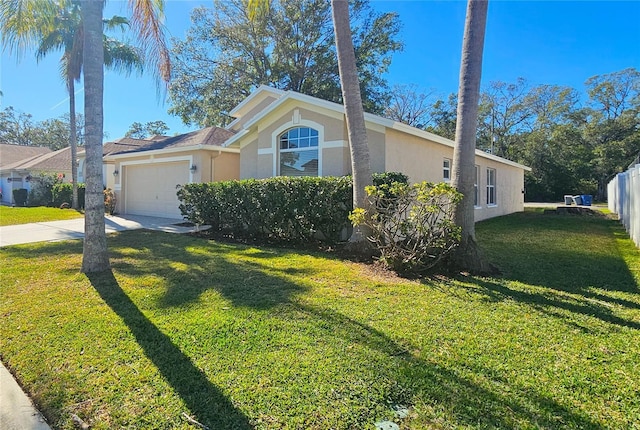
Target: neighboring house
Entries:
(18, 164)
(287, 133)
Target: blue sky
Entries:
(545, 42)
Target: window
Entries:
(491, 186)
(476, 193)
(446, 170)
(299, 152)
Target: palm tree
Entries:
(146, 21)
(67, 34)
(354, 113)
(463, 171)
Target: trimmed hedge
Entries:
(63, 193)
(282, 209)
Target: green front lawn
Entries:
(21, 215)
(238, 337)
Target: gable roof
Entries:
(286, 96)
(11, 154)
(209, 137)
(52, 161)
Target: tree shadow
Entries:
(188, 272)
(464, 401)
(204, 400)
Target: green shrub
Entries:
(282, 209)
(389, 178)
(63, 193)
(41, 193)
(412, 225)
(20, 196)
(109, 201)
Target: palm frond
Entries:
(23, 22)
(146, 20)
(121, 57)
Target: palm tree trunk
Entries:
(463, 171)
(73, 143)
(94, 254)
(354, 113)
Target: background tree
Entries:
(444, 116)
(227, 54)
(503, 113)
(408, 104)
(18, 128)
(137, 130)
(54, 132)
(463, 170)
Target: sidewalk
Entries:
(74, 229)
(16, 409)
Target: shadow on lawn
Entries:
(204, 400)
(458, 396)
(545, 252)
(462, 401)
(231, 270)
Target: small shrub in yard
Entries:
(109, 201)
(63, 193)
(412, 225)
(20, 196)
(41, 193)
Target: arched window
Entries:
(299, 152)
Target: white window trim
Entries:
(294, 123)
(494, 186)
(476, 187)
(446, 180)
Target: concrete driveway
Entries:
(74, 229)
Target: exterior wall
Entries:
(260, 152)
(417, 158)
(225, 166)
(509, 190)
(253, 112)
(422, 160)
(260, 155)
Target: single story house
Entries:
(287, 133)
(19, 163)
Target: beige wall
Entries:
(253, 112)
(390, 150)
(210, 166)
(422, 160)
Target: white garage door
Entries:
(151, 188)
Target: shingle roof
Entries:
(52, 161)
(11, 154)
(213, 136)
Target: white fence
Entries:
(624, 199)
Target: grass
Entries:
(240, 337)
(22, 215)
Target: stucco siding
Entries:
(417, 158)
(422, 160)
(509, 186)
(249, 160)
(225, 166)
(254, 111)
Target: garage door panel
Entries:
(151, 188)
